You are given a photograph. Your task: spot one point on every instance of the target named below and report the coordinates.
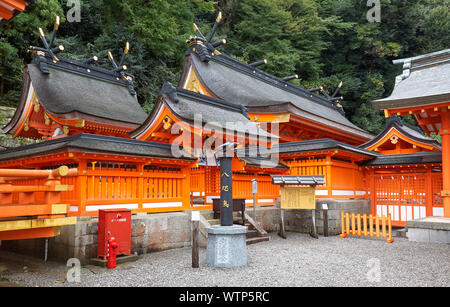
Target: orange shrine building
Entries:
(10, 8)
(89, 119)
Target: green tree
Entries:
(15, 38)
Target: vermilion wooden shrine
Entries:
(90, 120)
(10, 8)
(423, 90)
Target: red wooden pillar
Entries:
(328, 176)
(81, 192)
(140, 185)
(373, 193)
(429, 192)
(445, 134)
(186, 187)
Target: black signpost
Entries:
(226, 191)
(226, 245)
(226, 183)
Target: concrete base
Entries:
(432, 229)
(301, 220)
(119, 260)
(162, 231)
(226, 246)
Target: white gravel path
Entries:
(297, 261)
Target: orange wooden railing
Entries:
(30, 202)
(366, 225)
(138, 187)
(343, 179)
(19, 187)
(198, 181)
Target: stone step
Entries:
(256, 240)
(214, 222)
(252, 233)
(400, 233)
(207, 215)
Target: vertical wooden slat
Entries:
(110, 190)
(81, 188)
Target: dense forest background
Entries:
(323, 41)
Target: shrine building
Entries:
(88, 118)
(10, 8)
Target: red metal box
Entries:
(114, 223)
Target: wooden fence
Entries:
(407, 196)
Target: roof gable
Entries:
(187, 108)
(399, 137)
(226, 78)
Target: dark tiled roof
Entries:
(189, 106)
(243, 84)
(425, 80)
(68, 87)
(320, 145)
(406, 159)
(96, 144)
(306, 146)
(262, 162)
(298, 180)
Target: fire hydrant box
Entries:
(114, 223)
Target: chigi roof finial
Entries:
(121, 68)
(335, 101)
(203, 46)
(48, 49)
(48, 56)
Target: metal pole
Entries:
(282, 232)
(195, 218)
(254, 191)
(325, 220)
(254, 206)
(195, 244)
(313, 230)
(46, 250)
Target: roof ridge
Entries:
(271, 79)
(397, 119)
(89, 136)
(445, 53)
(173, 93)
(80, 68)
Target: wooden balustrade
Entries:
(136, 187)
(366, 225)
(30, 202)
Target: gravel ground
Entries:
(297, 261)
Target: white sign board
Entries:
(195, 216)
(254, 186)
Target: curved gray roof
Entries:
(233, 81)
(96, 144)
(425, 80)
(406, 159)
(308, 146)
(63, 91)
(190, 106)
